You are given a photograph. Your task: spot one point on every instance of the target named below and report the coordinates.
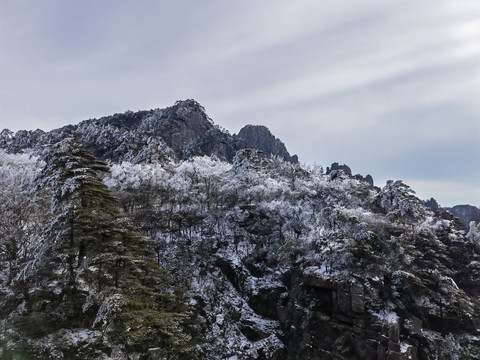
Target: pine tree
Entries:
(95, 270)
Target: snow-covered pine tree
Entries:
(94, 271)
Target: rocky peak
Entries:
(259, 137)
(183, 107)
(180, 125)
(335, 167)
(336, 170)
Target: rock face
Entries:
(260, 138)
(179, 132)
(337, 167)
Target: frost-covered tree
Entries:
(21, 215)
(93, 269)
(399, 201)
(248, 159)
(84, 214)
(474, 233)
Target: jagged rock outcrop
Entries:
(336, 170)
(336, 167)
(259, 137)
(432, 204)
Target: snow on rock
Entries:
(390, 317)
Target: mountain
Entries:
(178, 132)
(192, 243)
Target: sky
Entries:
(390, 88)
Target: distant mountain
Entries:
(466, 213)
(177, 132)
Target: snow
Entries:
(404, 347)
(452, 282)
(219, 319)
(424, 301)
(388, 316)
(324, 271)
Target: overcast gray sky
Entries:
(391, 88)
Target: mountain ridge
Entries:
(180, 131)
